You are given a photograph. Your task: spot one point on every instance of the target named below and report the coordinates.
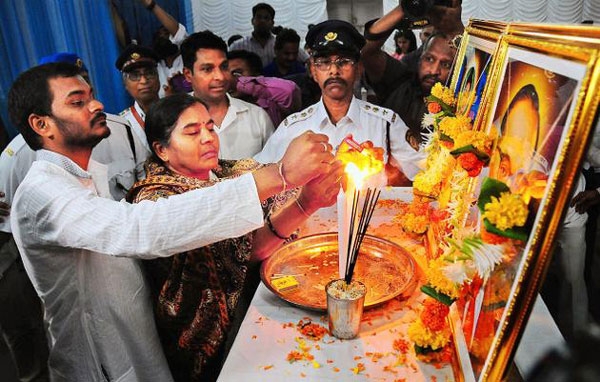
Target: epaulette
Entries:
(380, 112)
(123, 113)
(299, 116)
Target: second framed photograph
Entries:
(543, 99)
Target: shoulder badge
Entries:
(380, 112)
(299, 116)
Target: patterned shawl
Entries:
(194, 293)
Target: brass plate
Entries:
(384, 267)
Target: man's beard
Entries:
(73, 139)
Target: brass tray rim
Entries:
(373, 304)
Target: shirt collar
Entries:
(353, 113)
(63, 162)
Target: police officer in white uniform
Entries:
(335, 66)
(138, 67)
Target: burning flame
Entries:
(361, 160)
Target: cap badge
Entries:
(79, 63)
(330, 36)
(135, 56)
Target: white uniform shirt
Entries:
(364, 121)
(164, 72)
(244, 130)
(136, 127)
(78, 248)
(114, 151)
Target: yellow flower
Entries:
(425, 337)
(507, 211)
(443, 93)
(478, 139)
(453, 126)
(415, 223)
(428, 182)
(438, 280)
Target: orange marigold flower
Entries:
(434, 107)
(470, 163)
(434, 314)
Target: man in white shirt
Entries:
(243, 128)
(262, 40)
(335, 49)
(78, 246)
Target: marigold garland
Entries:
(454, 126)
(425, 337)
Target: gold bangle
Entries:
(301, 208)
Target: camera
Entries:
(418, 8)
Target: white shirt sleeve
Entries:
(180, 35)
(53, 213)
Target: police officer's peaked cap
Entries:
(334, 36)
(136, 56)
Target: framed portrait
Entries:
(543, 100)
(472, 67)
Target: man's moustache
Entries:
(335, 80)
(431, 76)
(98, 117)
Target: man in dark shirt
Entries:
(397, 85)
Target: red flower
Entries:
(470, 163)
(434, 107)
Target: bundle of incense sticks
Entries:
(360, 214)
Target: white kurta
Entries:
(244, 130)
(78, 248)
(364, 121)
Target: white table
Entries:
(268, 333)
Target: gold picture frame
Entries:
(531, 61)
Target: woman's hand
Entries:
(322, 191)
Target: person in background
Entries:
(243, 128)
(80, 248)
(335, 66)
(397, 86)
(262, 40)
(205, 283)
(405, 42)
(234, 38)
(285, 63)
(277, 96)
(165, 44)
(138, 68)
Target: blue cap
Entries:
(70, 58)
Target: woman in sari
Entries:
(196, 293)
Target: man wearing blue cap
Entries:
(334, 64)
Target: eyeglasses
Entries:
(341, 63)
(136, 75)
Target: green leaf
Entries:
(425, 349)
(471, 149)
(518, 233)
(431, 292)
(444, 137)
(490, 187)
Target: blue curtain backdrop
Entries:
(31, 29)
